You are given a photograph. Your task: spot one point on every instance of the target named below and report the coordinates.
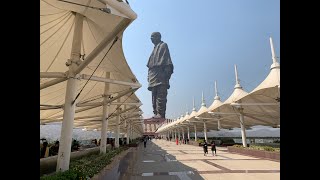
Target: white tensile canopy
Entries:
(230, 113)
(191, 121)
(263, 103)
(84, 76)
(220, 123)
(241, 109)
(182, 121)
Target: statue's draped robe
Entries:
(160, 66)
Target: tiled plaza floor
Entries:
(162, 159)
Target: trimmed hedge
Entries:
(86, 167)
(263, 148)
(266, 153)
(200, 141)
(224, 141)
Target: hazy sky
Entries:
(205, 38)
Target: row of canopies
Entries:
(242, 109)
(85, 81)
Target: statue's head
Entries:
(155, 37)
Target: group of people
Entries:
(185, 141)
(46, 151)
(205, 145)
(213, 148)
(111, 141)
(181, 141)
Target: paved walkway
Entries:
(166, 160)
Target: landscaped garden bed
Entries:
(86, 167)
(257, 151)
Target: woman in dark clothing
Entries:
(205, 148)
(213, 148)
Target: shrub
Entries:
(266, 148)
(262, 148)
(86, 167)
(200, 140)
(66, 175)
(227, 140)
(276, 141)
(238, 146)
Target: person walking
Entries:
(213, 148)
(145, 142)
(205, 148)
(44, 150)
(54, 149)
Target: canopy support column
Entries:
(131, 130)
(128, 132)
(195, 132)
(64, 152)
(105, 114)
(243, 129)
(182, 131)
(205, 131)
(188, 132)
(116, 144)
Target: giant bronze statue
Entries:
(160, 70)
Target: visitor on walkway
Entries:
(112, 144)
(145, 142)
(44, 150)
(54, 149)
(177, 141)
(213, 148)
(93, 143)
(205, 148)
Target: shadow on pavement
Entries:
(151, 162)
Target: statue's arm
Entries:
(168, 69)
(166, 54)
